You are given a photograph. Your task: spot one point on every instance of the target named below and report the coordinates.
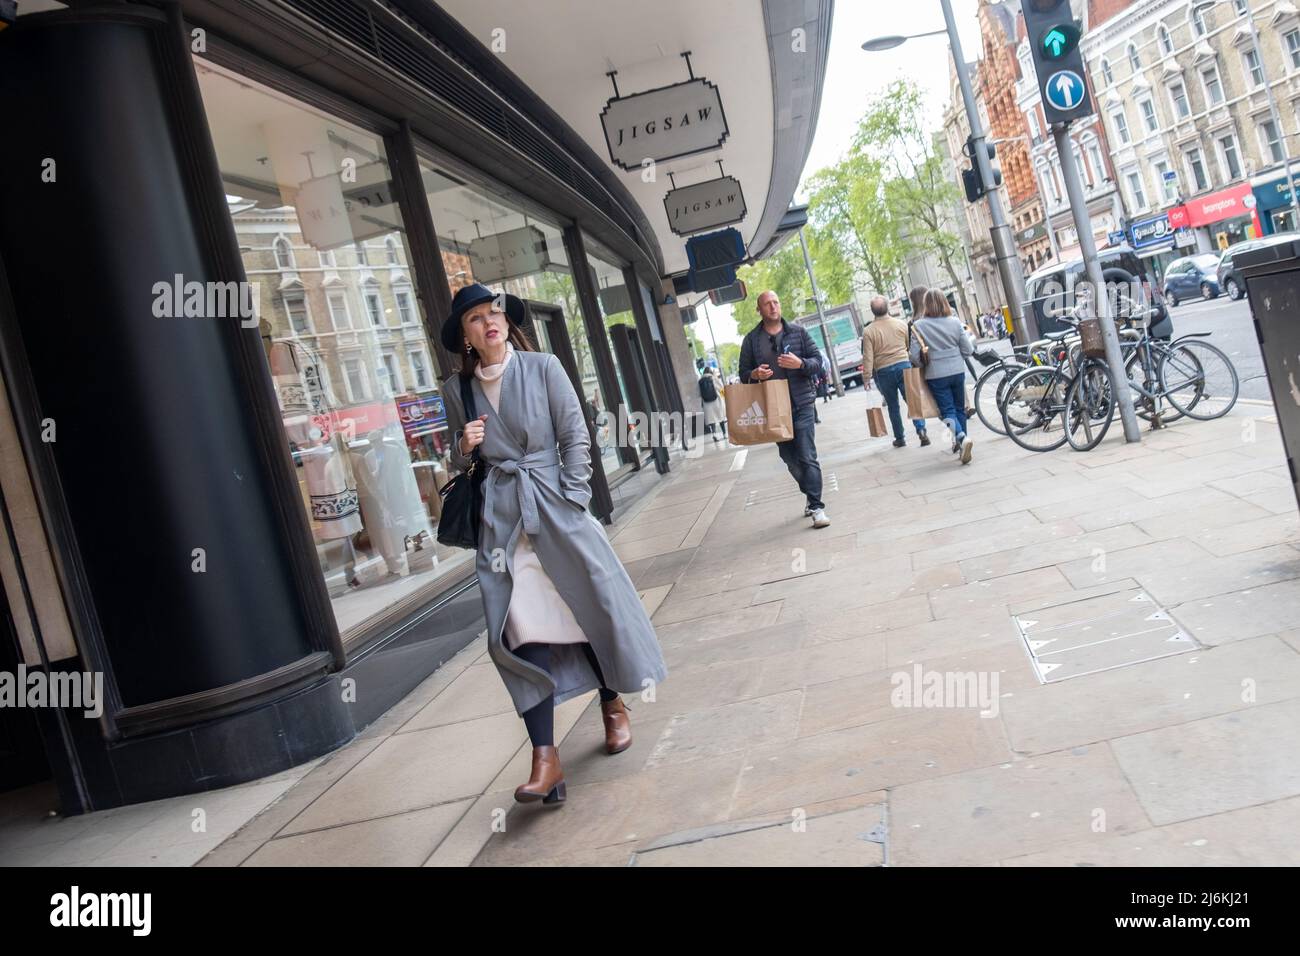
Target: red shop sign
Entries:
(1216, 207)
(1179, 217)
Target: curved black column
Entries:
(157, 451)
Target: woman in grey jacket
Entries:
(946, 340)
(563, 616)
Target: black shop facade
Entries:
(229, 237)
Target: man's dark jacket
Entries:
(756, 349)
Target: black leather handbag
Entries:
(462, 497)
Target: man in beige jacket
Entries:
(884, 353)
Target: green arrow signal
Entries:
(1060, 40)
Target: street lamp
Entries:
(1013, 278)
(1249, 17)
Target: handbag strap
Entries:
(471, 412)
(919, 337)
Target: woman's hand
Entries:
(472, 436)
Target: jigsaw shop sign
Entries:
(663, 124)
(707, 205)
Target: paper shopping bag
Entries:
(876, 422)
(920, 400)
(759, 413)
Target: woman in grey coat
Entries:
(946, 339)
(563, 616)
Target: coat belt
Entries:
(520, 468)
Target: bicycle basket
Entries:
(987, 357)
(1094, 346)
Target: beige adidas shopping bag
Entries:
(761, 413)
(920, 400)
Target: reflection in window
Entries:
(369, 454)
(486, 235)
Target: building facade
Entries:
(1181, 89)
(224, 436)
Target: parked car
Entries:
(1190, 276)
(1229, 278)
(1051, 287)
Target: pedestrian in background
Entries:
(715, 413)
(885, 358)
(944, 340)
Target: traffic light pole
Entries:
(1100, 300)
(1004, 247)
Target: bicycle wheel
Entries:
(1033, 412)
(1089, 406)
(1199, 380)
(989, 391)
(1145, 407)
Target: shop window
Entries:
(368, 456)
(615, 301)
(487, 234)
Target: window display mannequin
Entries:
(389, 497)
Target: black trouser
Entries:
(540, 719)
(800, 455)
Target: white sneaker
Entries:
(819, 518)
(966, 447)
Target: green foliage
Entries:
(784, 274)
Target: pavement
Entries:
(1034, 659)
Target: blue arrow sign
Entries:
(1064, 89)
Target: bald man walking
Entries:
(884, 354)
(776, 349)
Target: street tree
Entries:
(916, 190)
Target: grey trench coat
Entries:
(538, 448)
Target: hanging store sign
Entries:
(509, 254)
(614, 299)
(665, 123)
(334, 211)
(706, 205)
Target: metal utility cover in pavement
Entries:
(1100, 634)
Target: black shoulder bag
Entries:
(462, 497)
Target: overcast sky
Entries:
(853, 77)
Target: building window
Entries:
(1098, 164)
(283, 254)
(1135, 189)
(327, 259)
(1046, 177)
(356, 380)
(375, 308)
(1088, 176)
(338, 305)
(420, 368)
(389, 377)
(1107, 77)
(1292, 39)
(1134, 61)
(1254, 68)
(391, 246)
(405, 312)
(1242, 6)
(1271, 141)
(1197, 17)
(1034, 129)
(1178, 97)
(1120, 122)
(1168, 188)
(295, 305)
(1231, 158)
(1149, 120)
(1196, 170)
(1166, 41)
(1213, 86)
(362, 258)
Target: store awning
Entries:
(750, 89)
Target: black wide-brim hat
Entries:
(465, 299)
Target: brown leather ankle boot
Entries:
(547, 780)
(618, 729)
